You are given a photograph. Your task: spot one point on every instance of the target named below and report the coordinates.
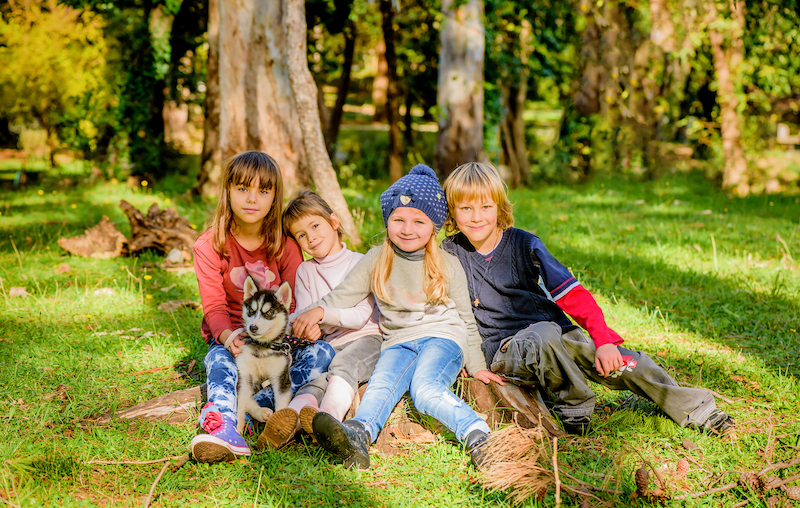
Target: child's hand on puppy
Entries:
(607, 359)
(306, 325)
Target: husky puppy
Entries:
(263, 357)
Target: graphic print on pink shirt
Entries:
(262, 275)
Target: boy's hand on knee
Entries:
(607, 359)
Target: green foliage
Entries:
(697, 280)
(52, 72)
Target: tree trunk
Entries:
(512, 126)
(726, 66)
(460, 90)
(257, 112)
(512, 133)
(305, 102)
(392, 106)
(211, 162)
(380, 83)
(408, 120)
(335, 121)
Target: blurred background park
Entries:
(549, 91)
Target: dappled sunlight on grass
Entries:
(708, 286)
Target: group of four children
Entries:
(407, 316)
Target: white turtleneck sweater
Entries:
(316, 278)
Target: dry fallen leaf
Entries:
(17, 292)
(173, 305)
(62, 268)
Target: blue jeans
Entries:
(428, 367)
(308, 363)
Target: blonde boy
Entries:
(525, 330)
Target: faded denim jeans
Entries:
(428, 368)
(308, 363)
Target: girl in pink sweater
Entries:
(244, 237)
(354, 333)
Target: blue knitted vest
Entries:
(507, 287)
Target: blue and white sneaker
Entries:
(221, 443)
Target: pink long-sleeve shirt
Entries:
(221, 279)
(316, 278)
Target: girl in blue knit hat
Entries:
(426, 319)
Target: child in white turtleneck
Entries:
(353, 333)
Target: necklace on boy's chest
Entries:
(479, 283)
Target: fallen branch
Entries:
(589, 486)
(154, 369)
(555, 469)
(153, 487)
(706, 492)
(182, 459)
(779, 465)
(788, 480)
(138, 462)
(741, 503)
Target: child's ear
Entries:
(250, 287)
(284, 294)
(335, 221)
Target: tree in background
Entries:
(211, 156)
(52, 72)
(256, 108)
(727, 46)
(305, 100)
(392, 91)
(460, 91)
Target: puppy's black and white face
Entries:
(266, 312)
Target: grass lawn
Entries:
(708, 286)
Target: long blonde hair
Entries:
(435, 282)
(245, 168)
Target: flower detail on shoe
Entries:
(213, 421)
(222, 443)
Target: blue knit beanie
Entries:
(418, 189)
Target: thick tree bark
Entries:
(305, 102)
(460, 88)
(257, 112)
(380, 83)
(726, 65)
(392, 106)
(335, 121)
(211, 162)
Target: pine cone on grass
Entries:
(642, 481)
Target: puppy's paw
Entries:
(262, 414)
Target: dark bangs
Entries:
(248, 167)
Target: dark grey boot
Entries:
(475, 442)
(347, 440)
